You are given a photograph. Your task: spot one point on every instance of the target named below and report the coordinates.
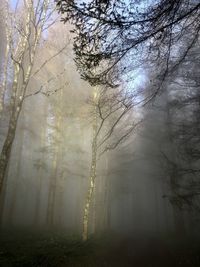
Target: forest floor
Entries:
(25, 249)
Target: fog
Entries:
(92, 162)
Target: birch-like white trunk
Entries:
(92, 177)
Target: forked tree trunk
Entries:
(17, 100)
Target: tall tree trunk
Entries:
(90, 191)
(107, 199)
(52, 196)
(92, 177)
(40, 176)
(16, 179)
(3, 199)
(16, 105)
(6, 60)
(52, 191)
(38, 199)
(178, 218)
(53, 179)
(19, 92)
(6, 151)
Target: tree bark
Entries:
(16, 180)
(5, 68)
(6, 151)
(90, 191)
(18, 92)
(92, 178)
(53, 179)
(40, 176)
(179, 223)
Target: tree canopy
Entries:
(112, 37)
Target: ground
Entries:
(31, 249)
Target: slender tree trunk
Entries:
(53, 179)
(51, 202)
(16, 105)
(107, 200)
(52, 194)
(5, 74)
(6, 151)
(39, 182)
(6, 60)
(38, 199)
(16, 180)
(93, 213)
(179, 222)
(3, 199)
(178, 218)
(17, 101)
(92, 179)
(14, 194)
(90, 191)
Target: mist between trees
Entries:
(88, 159)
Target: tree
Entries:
(183, 105)
(24, 42)
(112, 39)
(123, 34)
(5, 37)
(112, 109)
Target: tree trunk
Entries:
(92, 179)
(107, 201)
(6, 151)
(40, 176)
(52, 195)
(53, 178)
(90, 192)
(38, 199)
(6, 59)
(16, 180)
(179, 223)
(3, 198)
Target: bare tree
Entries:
(24, 43)
(113, 122)
(183, 107)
